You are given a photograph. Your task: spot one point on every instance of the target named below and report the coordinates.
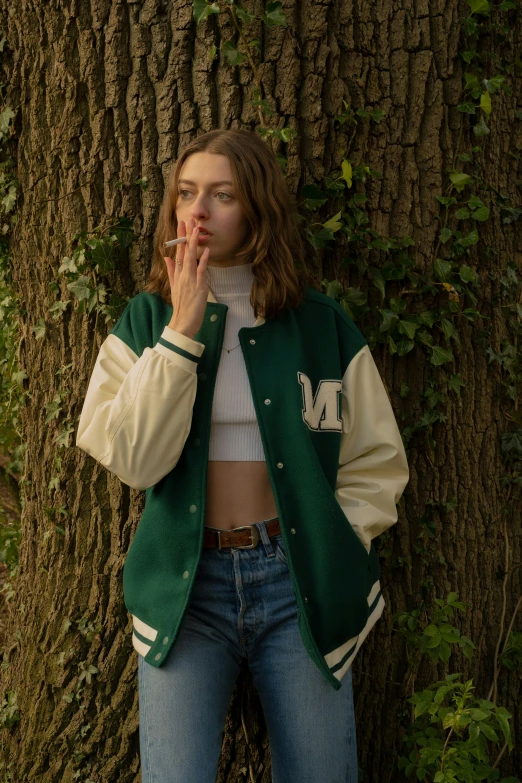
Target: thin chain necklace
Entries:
(231, 349)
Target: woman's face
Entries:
(206, 194)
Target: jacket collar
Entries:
(211, 298)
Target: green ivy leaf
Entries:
(472, 84)
(67, 265)
(447, 328)
(274, 15)
(481, 128)
(511, 442)
(455, 383)
(334, 289)
(80, 287)
(445, 234)
(471, 239)
(475, 202)
(462, 214)
(313, 197)
(202, 9)
(494, 84)
(354, 296)
(378, 281)
(408, 328)
(404, 347)
(407, 241)
(392, 345)
(334, 224)
(425, 337)
(467, 108)
(388, 321)
(346, 168)
(442, 269)
(446, 201)
(466, 273)
(468, 55)
(485, 103)
(427, 318)
(481, 214)
(5, 118)
(459, 179)
(479, 7)
(377, 115)
(233, 56)
(40, 329)
(244, 15)
(398, 305)
(440, 355)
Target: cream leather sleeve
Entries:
(137, 411)
(373, 470)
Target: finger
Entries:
(193, 251)
(182, 232)
(202, 266)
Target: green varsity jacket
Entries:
(333, 451)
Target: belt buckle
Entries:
(255, 537)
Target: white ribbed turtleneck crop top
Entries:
(234, 431)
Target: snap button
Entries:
(213, 317)
(165, 640)
(157, 657)
(292, 529)
(279, 464)
(306, 599)
(202, 376)
(267, 402)
(185, 574)
(252, 342)
(192, 508)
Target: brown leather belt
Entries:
(246, 537)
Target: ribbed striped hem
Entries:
(143, 636)
(180, 349)
(339, 660)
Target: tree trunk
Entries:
(108, 93)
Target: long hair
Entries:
(273, 246)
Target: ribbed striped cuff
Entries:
(180, 349)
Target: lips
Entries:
(203, 231)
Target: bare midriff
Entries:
(238, 493)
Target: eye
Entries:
(224, 194)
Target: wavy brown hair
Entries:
(274, 245)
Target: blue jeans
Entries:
(243, 607)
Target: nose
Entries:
(199, 209)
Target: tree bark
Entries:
(108, 93)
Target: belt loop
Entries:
(269, 549)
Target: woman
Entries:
(249, 408)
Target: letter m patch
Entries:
(321, 413)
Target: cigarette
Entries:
(175, 242)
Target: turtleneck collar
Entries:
(230, 279)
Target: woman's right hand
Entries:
(188, 283)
